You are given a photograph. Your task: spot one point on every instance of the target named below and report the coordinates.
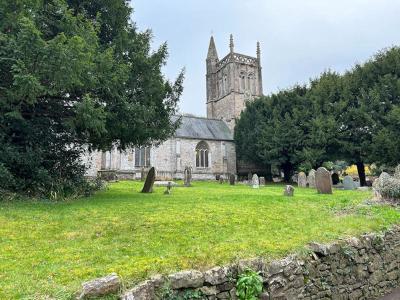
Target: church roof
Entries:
(203, 129)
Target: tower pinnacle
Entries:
(258, 51)
(231, 45)
(212, 50)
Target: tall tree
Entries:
(76, 75)
(370, 92)
(272, 130)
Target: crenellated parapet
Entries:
(237, 58)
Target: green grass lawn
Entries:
(48, 249)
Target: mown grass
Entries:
(48, 249)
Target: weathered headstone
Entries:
(323, 181)
(294, 177)
(289, 191)
(221, 179)
(148, 184)
(168, 190)
(249, 176)
(348, 183)
(255, 182)
(187, 180)
(142, 174)
(335, 178)
(302, 179)
(311, 178)
(232, 179)
(262, 181)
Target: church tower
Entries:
(231, 82)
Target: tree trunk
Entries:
(361, 173)
(268, 175)
(287, 171)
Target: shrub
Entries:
(249, 285)
(388, 186)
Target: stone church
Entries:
(204, 144)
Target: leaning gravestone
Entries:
(335, 178)
(302, 179)
(262, 181)
(148, 185)
(187, 180)
(232, 179)
(323, 181)
(289, 191)
(311, 178)
(255, 182)
(348, 183)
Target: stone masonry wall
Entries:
(358, 268)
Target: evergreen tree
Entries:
(272, 130)
(75, 75)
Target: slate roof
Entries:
(203, 129)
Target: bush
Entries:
(249, 286)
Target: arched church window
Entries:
(220, 88)
(202, 152)
(142, 156)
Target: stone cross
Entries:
(262, 181)
(348, 183)
(187, 176)
(148, 184)
(289, 191)
(232, 179)
(323, 181)
(255, 182)
(311, 178)
(302, 179)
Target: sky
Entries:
(299, 38)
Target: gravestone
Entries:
(221, 179)
(187, 179)
(249, 176)
(142, 174)
(232, 179)
(148, 184)
(262, 181)
(255, 182)
(348, 183)
(323, 181)
(311, 178)
(289, 191)
(335, 178)
(302, 179)
(168, 190)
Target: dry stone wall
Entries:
(358, 268)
